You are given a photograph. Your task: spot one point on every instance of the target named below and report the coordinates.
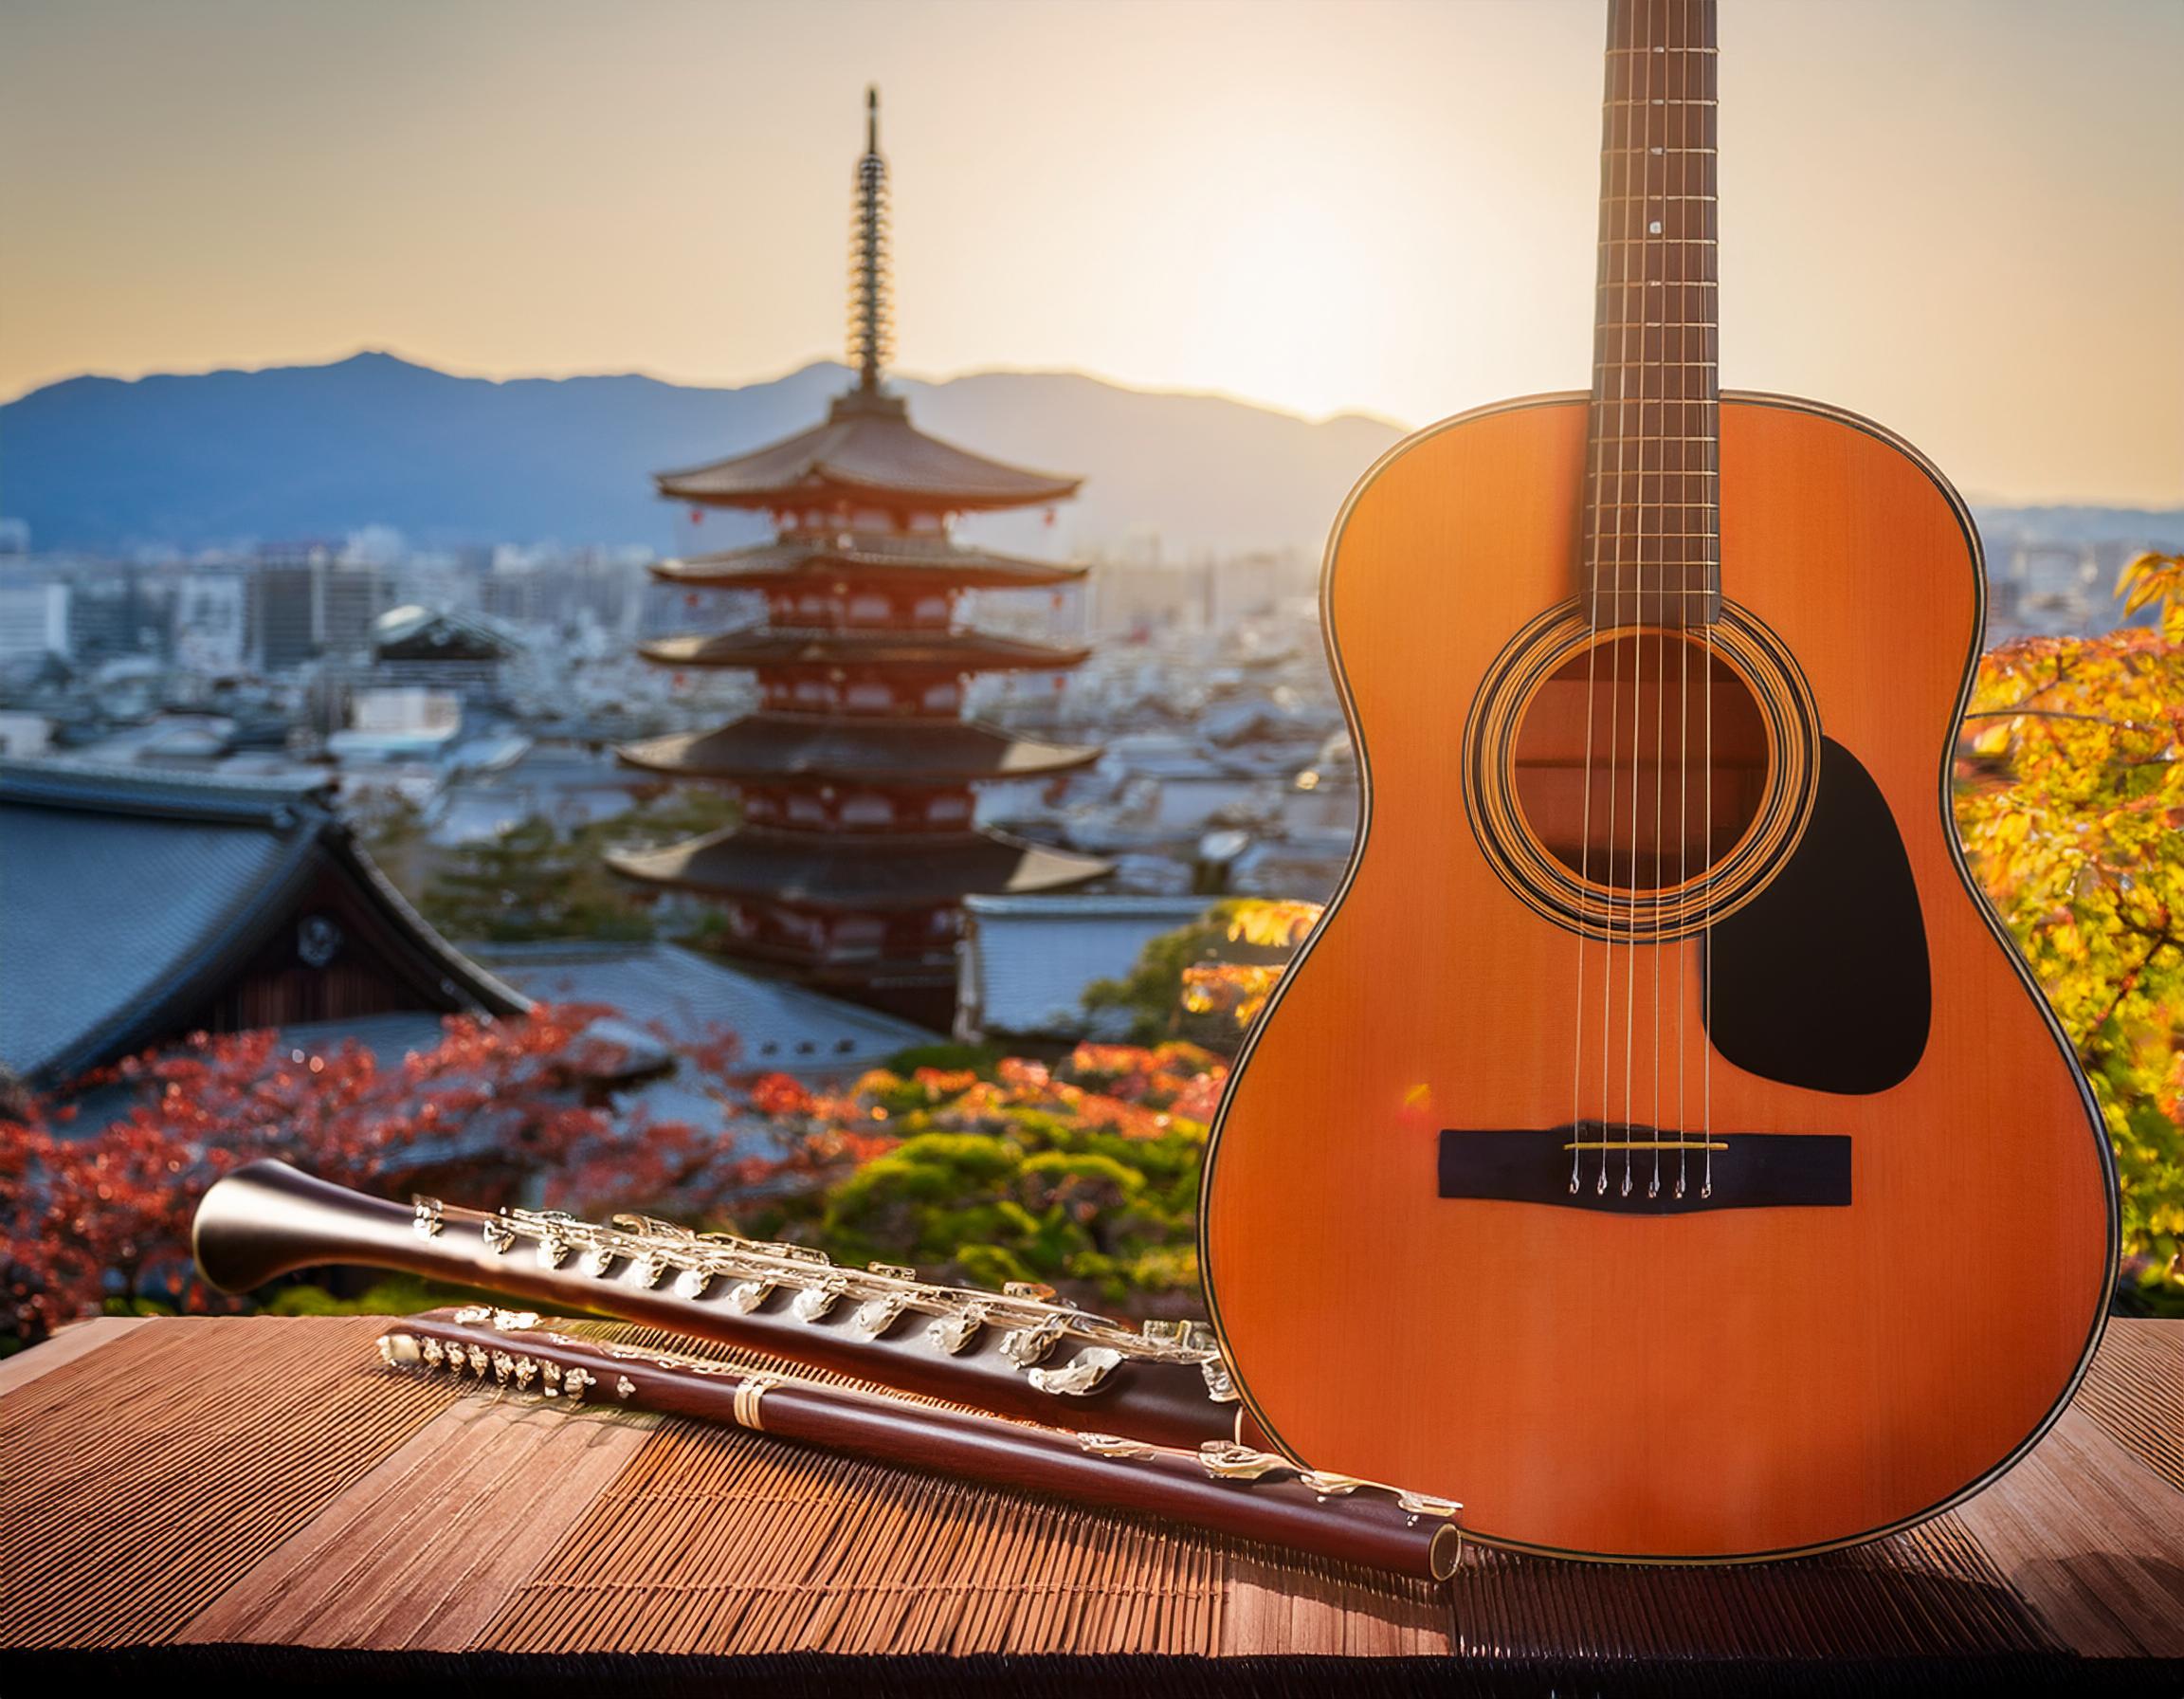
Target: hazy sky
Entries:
(1964, 217)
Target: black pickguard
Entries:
(1822, 980)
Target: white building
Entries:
(1024, 963)
(33, 618)
(24, 736)
(212, 623)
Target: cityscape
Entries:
(925, 956)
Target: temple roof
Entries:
(825, 746)
(868, 449)
(894, 870)
(864, 555)
(132, 898)
(655, 987)
(932, 651)
(414, 633)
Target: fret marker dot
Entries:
(1655, 229)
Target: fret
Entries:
(1652, 519)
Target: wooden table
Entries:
(259, 1496)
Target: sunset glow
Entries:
(1964, 219)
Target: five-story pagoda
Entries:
(858, 773)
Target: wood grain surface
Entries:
(270, 1483)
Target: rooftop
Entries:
(821, 746)
(866, 451)
(784, 645)
(131, 897)
(681, 996)
(848, 872)
(824, 557)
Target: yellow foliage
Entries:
(1273, 926)
(2069, 803)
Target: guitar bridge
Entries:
(1697, 1171)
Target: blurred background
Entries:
(402, 778)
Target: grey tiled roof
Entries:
(125, 897)
(780, 1026)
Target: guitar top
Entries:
(1658, 1146)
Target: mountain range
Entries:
(290, 453)
(229, 459)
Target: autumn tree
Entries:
(2071, 801)
(1195, 981)
(96, 1210)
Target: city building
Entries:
(33, 617)
(858, 773)
(1027, 963)
(304, 604)
(437, 650)
(212, 623)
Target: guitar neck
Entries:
(1653, 513)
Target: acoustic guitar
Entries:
(1658, 1145)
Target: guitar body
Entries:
(1837, 1339)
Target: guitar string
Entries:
(1592, 588)
(1634, 618)
(1712, 453)
(1683, 752)
(1661, 645)
(1616, 131)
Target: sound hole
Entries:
(1678, 769)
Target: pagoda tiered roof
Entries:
(823, 746)
(825, 555)
(868, 451)
(896, 870)
(879, 645)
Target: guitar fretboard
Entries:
(1652, 514)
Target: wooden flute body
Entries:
(1013, 1352)
(1221, 1486)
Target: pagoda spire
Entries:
(858, 779)
(872, 324)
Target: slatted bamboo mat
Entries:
(251, 1488)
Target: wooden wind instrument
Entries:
(1015, 1352)
(1222, 1485)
